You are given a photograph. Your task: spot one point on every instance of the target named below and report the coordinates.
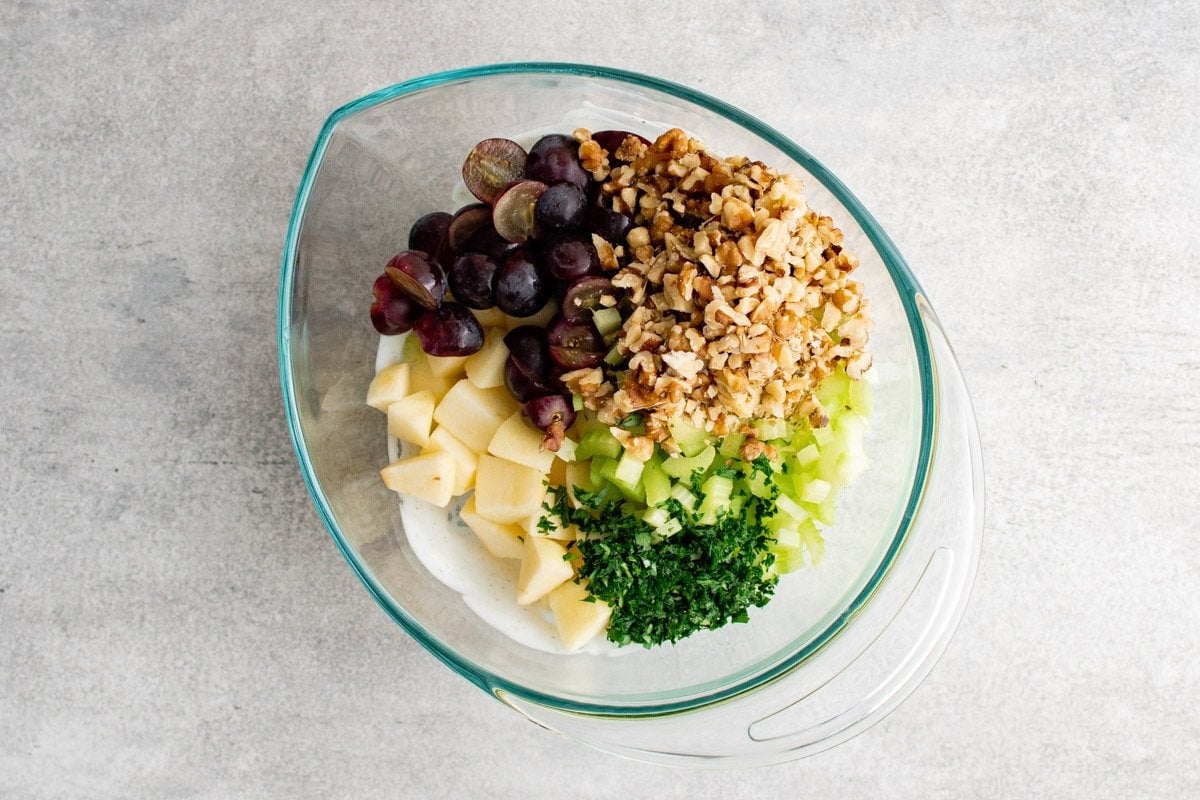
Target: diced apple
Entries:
(502, 541)
(410, 418)
(542, 569)
(421, 377)
(507, 492)
(389, 385)
(429, 477)
(447, 366)
(485, 369)
(520, 442)
(578, 620)
(473, 414)
(531, 526)
(466, 460)
(490, 317)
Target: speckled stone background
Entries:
(176, 623)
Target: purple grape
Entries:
(513, 213)
(529, 347)
(549, 411)
(612, 141)
(421, 278)
(472, 279)
(608, 224)
(525, 387)
(489, 243)
(521, 288)
(560, 208)
(393, 311)
(571, 257)
(491, 166)
(575, 345)
(582, 297)
(449, 330)
(465, 223)
(555, 159)
(429, 234)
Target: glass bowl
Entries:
(838, 646)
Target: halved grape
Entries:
(612, 140)
(575, 345)
(393, 311)
(554, 159)
(521, 287)
(429, 235)
(449, 330)
(513, 213)
(421, 278)
(552, 414)
(491, 166)
(609, 224)
(472, 279)
(465, 222)
(571, 257)
(560, 208)
(582, 297)
(489, 243)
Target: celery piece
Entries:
(577, 402)
(607, 320)
(816, 491)
(656, 517)
(656, 481)
(807, 455)
(717, 491)
(629, 470)
(691, 440)
(834, 392)
(614, 356)
(814, 543)
(769, 429)
(822, 512)
(823, 436)
(788, 537)
(862, 397)
(601, 470)
(686, 499)
(790, 507)
(567, 450)
(731, 445)
(598, 442)
(682, 468)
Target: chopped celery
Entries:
(607, 320)
(614, 356)
(577, 402)
(598, 442)
(814, 543)
(691, 440)
(759, 484)
(568, 450)
(717, 491)
(686, 499)
(629, 470)
(790, 507)
(768, 429)
(862, 397)
(788, 537)
(816, 491)
(656, 517)
(731, 445)
(656, 481)
(823, 436)
(834, 392)
(807, 455)
(682, 468)
(601, 470)
(822, 512)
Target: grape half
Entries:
(491, 244)
(608, 224)
(465, 223)
(582, 297)
(393, 311)
(513, 213)
(571, 257)
(560, 208)
(449, 330)
(575, 345)
(421, 278)
(552, 414)
(491, 166)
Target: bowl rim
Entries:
(906, 285)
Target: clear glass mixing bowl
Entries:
(838, 646)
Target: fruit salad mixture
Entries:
(645, 367)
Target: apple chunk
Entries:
(473, 414)
(411, 417)
(517, 441)
(542, 569)
(502, 541)
(485, 368)
(507, 492)
(429, 477)
(466, 460)
(389, 385)
(447, 366)
(578, 620)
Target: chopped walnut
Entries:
(743, 295)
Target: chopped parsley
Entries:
(662, 589)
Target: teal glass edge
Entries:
(901, 274)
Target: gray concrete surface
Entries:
(176, 623)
